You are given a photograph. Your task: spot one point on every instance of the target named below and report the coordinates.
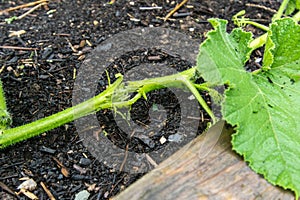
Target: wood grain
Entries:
(221, 174)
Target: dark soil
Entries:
(38, 82)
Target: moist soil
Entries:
(38, 81)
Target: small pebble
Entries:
(9, 68)
(106, 194)
(162, 140)
(78, 177)
(175, 138)
(47, 150)
(60, 177)
(82, 195)
(85, 161)
(192, 97)
(46, 52)
(79, 169)
(257, 60)
(95, 22)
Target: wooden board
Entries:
(219, 175)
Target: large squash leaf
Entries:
(264, 107)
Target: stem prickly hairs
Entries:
(101, 101)
(5, 118)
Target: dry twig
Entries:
(23, 6)
(63, 169)
(31, 10)
(261, 7)
(50, 195)
(124, 160)
(175, 9)
(18, 48)
(7, 189)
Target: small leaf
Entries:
(11, 19)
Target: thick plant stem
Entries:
(259, 41)
(101, 101)
(2, 98)
(5, 118)
(281, 10)
(176, 80)
(115, 96)
(180, 80)
(297, 16)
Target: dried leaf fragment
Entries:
(16, 33)
(29, 184)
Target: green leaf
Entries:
(211, 58)
(292, 6)
(264, 107)
(282, 46)
(11, 19)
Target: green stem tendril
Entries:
(239, 20)
(258, 42)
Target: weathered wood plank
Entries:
(219, 175)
